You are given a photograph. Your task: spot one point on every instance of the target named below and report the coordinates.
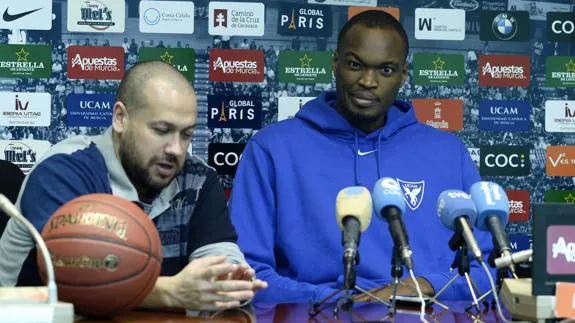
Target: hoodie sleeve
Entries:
(470, 175)
(253, 213)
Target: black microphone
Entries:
(388, 203)
(353, 212)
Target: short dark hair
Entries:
(374, 19)
(131, 89)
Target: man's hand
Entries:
(211, 284)
(405, 288)
(244, 272)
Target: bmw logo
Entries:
(504, 26)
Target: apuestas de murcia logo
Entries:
(236, 67)
(516, 207)
(499, 72)
(100, 64)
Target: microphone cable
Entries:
(420, 295)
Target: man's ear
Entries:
(119, 117)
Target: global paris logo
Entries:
(95, 62)
(504, 70)
(95, 14)
(564, 77)
(560, 249)
(304, 20)
(236, 65)
(234, 112)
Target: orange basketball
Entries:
(106, 252)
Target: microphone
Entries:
(62, 312)
(492, 214)
(514, 258)
(353, 213)
(456, 211)
(388, 203)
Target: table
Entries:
(299, 313)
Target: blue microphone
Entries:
(456, 211)
(492, 213)
(388, 204)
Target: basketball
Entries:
(106, 252)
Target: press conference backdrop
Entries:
(499, 74)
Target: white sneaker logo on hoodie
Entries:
(363, 153)
(412, 192)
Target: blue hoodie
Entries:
(283, 200)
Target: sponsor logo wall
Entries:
(498, 74)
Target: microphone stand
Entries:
(344, 302)
(461, 262)
(396, 273)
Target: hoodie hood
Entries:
(321, 114)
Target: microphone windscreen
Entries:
(386, 192)
(354, 201)
(490, 200)
(452, 204)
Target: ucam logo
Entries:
(412, 192)
(504, 115)
(90, 110)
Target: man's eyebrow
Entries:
(384, 63)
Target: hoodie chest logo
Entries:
(412, 192)
(363, 153)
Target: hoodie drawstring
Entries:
(356, 158)
(379, 154)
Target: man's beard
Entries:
(138, 173)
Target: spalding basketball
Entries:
(106, 253)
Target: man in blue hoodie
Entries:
(283, 200)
